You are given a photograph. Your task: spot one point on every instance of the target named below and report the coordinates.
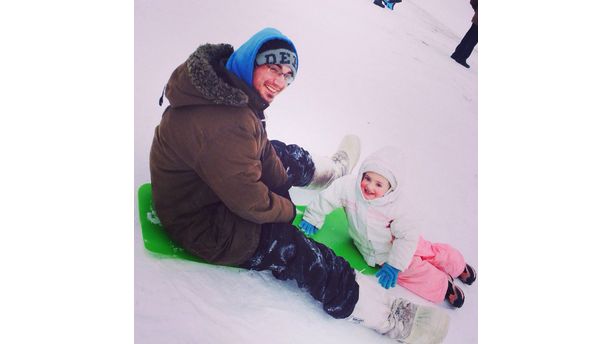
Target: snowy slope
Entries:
(383, 75)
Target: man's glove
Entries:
(307, 228)
(387, 276)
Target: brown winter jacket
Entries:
(212, 166)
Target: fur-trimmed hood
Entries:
(203, 79)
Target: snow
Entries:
(383, 75)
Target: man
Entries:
(469, 41)
(221, 191)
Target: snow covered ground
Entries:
(383, 75)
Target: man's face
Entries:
(374, 186)
(269, 80)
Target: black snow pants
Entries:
(467, 44)
(297, 162)
(288, 254)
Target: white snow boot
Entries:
(398, 319)
(340, 164)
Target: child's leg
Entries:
(442, 256)
(424, 279)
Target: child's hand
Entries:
(387, 276)
(307, 228)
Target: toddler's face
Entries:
(373, 185)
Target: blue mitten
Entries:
(387, 276)
(307, 228)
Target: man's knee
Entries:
(297, 162)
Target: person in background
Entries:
(386, 3)
(380, 226)
(221, 191)
(469, 41)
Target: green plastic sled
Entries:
(333, 234)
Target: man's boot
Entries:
(340, 164)
(398, 319)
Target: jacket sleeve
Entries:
(405, 243)
(274, 174)
(230, 163)
(326, 201)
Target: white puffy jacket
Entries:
(380, 228)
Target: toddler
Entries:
(382, 232)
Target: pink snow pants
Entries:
(427, 274)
